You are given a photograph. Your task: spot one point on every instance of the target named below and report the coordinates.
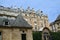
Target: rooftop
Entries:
(19, 10)
(58, 18)
(18, 22)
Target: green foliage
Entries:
(54, 35)
(37, 35)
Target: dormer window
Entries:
(6, 22)
(25, 14)
(0, 36)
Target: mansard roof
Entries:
(58, 18)
(56, 21)
(18, 22)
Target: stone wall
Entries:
(15, 33)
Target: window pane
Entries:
(0, 33)
(23, 36)
(0, 36)
(6, 23)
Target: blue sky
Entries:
(49, 7)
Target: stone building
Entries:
(55, 26)
(13, 26)
(37, 19)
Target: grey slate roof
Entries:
(18, 22)
(21, 22)
(58, 18)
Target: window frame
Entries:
(23, 36)
(1, 34)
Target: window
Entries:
(25, 14)
(23, 36)
(0, 36)
(35, 27)
(44, 21)
(58, 24)
(30, 19)
(35, 22)
(41, 11)
(6, 23)
(58, 27)
(41, 25)
(40, 16)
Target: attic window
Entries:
(6, 23)
(25, 14)
(0, 36)
(41, 11)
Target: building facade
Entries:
(13, 26)
(55, 26)
(37, 19)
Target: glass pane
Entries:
(23, 36)
(0, 36)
